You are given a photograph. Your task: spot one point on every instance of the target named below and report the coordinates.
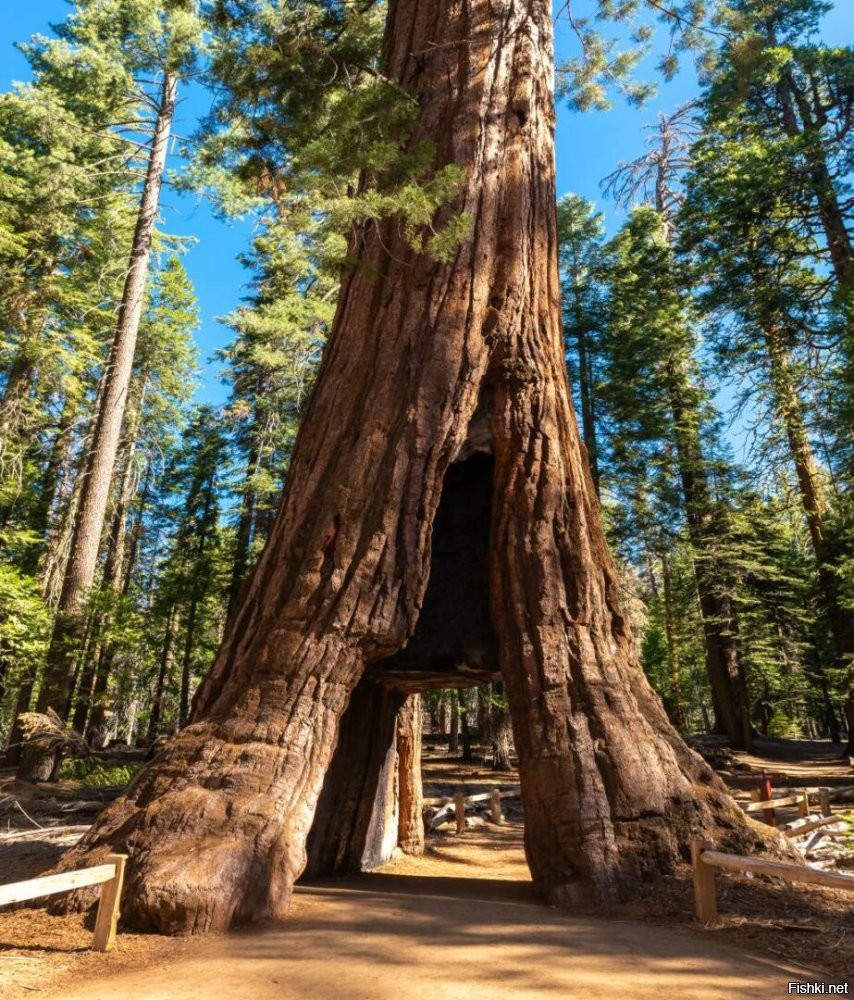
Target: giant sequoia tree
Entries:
(432, 366)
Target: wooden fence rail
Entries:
(766, 804)
(109, 876)
(456, 806)
(705, 859)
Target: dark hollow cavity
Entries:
(454, 643)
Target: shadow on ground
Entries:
(387, 937)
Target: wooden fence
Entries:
(109, 876)
(705, 859)
(456, 806)
(766, 804)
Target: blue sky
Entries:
(589, 146)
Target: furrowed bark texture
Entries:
(354, 801)
(216, 825)
(410, 824)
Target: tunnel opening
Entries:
(454, 643)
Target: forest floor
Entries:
(461, 921)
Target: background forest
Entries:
(709, 342)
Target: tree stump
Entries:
(46, 743)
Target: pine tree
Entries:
(742, 226)
(580, 230)
(150, 38)
(654, 397)
(162, 379)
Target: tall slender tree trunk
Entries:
(465, 730)
(454, 726)
(243, 540)
(677, 716)
(55, 554)
(163, 671)
(14, 745)
(791, 412)
(839, 619)
(724, 664)
(103, 448)
(192, 611)
(111, 582)
(51, 478)
(586, 397)
(484, 696)
(187, 661)
(410, 831)
(216, 825)
(830, 212)
(126, 555)
(501, 758)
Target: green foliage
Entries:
(92, 773)
(606, 63)
(24, 624)
(307, 122)
(309, 136)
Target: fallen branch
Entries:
(796, 831)
(29, 817)
(43, 833)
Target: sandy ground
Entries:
(358, 941)
(460, 922)
(791, 762)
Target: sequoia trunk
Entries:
(216, 825)
(358, 796)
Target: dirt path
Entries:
(357, 941)
(460, 922)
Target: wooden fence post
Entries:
(705, 901)
(495, 807)
(460, 811)
(824, 800)
(804, 804)
(765, 793)
(108, 906)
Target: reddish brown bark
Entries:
(410, 829)
(358, 801)
(216, 826)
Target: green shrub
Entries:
(91, 772)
